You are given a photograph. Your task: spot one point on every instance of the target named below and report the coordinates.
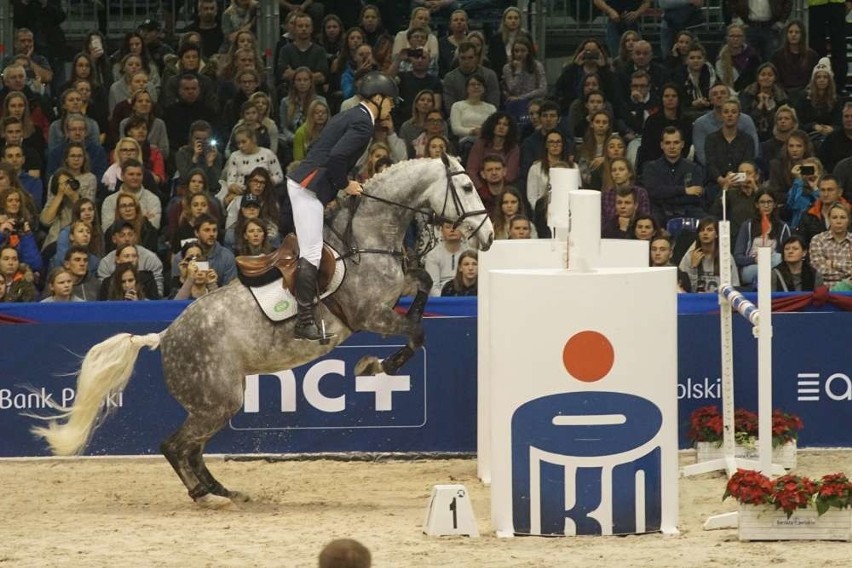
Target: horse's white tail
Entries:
(105, 371)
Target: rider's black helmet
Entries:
(377, 83)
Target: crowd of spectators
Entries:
(142, 168)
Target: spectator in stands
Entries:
(442, 261)
(128, 255)
(590, 154)
(499, 135)
(520, 227)
(157, 135)
(593, 100)
(207, 24)
(249, 116)
(151, 32)
(60, 285)
(17, 278)
(763, 20)
(674, 182)
(346, 62)
(661, 255)
(38, 66)
(417, 36)
(83, 210)
(501, 44)
(669, 114)
(294, 107)
(736, 64)
(523, 77)
(494, 184)
(124, 107)
(136, 128)
(467, 116)
(641, 60)
(239, 16)
(40, 108)
(820, 109)
(838, 144)
(13, 154)
(614, 148)
(421, 104)
(784, 122)
(131, 174)
(244, 161)
(67, 185)
(645, 228)
(302, 52)
(797, 148)
(725, 149)
(94, 46)
(17, 205)
(456, 81)
(712, 121)
(125, 284)
(79, 235)
(795, 273)
(794, 60)
(625, 48)
(93, 104)
(506, 205)
(124, 233)
(86, 286)
(435, 126)
(620, 225)
(843, 171)
(738, 195)
(804, 190)
(676, 58)
(193, 205)
(696, 77)
(639, 105)
(532, 148)
(624, 180)
(318, 115)
(477, 38)
(128, 208)
(250, 82)
(764, 229)
(191, 282)
(377, 151)
(464, 283)
(251, 237)
(236, 62)
(589, 58)
(701, 261)
(331, 40)
(621, 16)
(413, 79)
(259, 184)
(376, 36)
(221, 259)
(437, 146)
(189, 61)
(126, 149)
(121, 89)
(362, 63)
(449, 44)
(72, 102)
(187, 110)
(17, 127)
(831, 250)
(816, 219)
(538, 177)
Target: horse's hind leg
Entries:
(196, 461)
(183, 450)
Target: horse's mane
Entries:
(401, 167)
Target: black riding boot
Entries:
(306, 300)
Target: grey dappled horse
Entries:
(223, 336)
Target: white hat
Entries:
(823, 64)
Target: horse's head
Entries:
(456, 201)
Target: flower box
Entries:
(784, 455)
(765, 522)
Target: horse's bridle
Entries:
(441, 218)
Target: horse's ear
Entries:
(445, 159)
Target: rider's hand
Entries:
(353, 188)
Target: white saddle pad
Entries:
(278, 303)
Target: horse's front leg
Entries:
(392, 323)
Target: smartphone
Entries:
(414, 51)
(97, 44)
(807, 170)
(739, 177)
(213, 142)
(202, 265)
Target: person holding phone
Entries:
(316, 181)
(198, 278)
(125, 284)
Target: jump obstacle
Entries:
(760, 317)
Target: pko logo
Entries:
(810, 387)
(326, 394)
(587, 463)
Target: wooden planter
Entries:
(764, 522)
(782, 455)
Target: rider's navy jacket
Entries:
(330, 158)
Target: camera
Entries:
(414, 52)
(73, 184)
(807, 170)
(591, 55)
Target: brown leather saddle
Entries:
(263, 269)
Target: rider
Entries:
(318, 178)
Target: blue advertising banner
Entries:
(429, 407)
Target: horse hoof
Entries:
(215, 502)
(368, 366)
(237, 497)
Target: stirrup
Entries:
(313, 332)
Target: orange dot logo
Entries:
(588, 356)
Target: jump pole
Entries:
(760, 317)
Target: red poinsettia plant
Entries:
(706, 425)
(790, 492)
